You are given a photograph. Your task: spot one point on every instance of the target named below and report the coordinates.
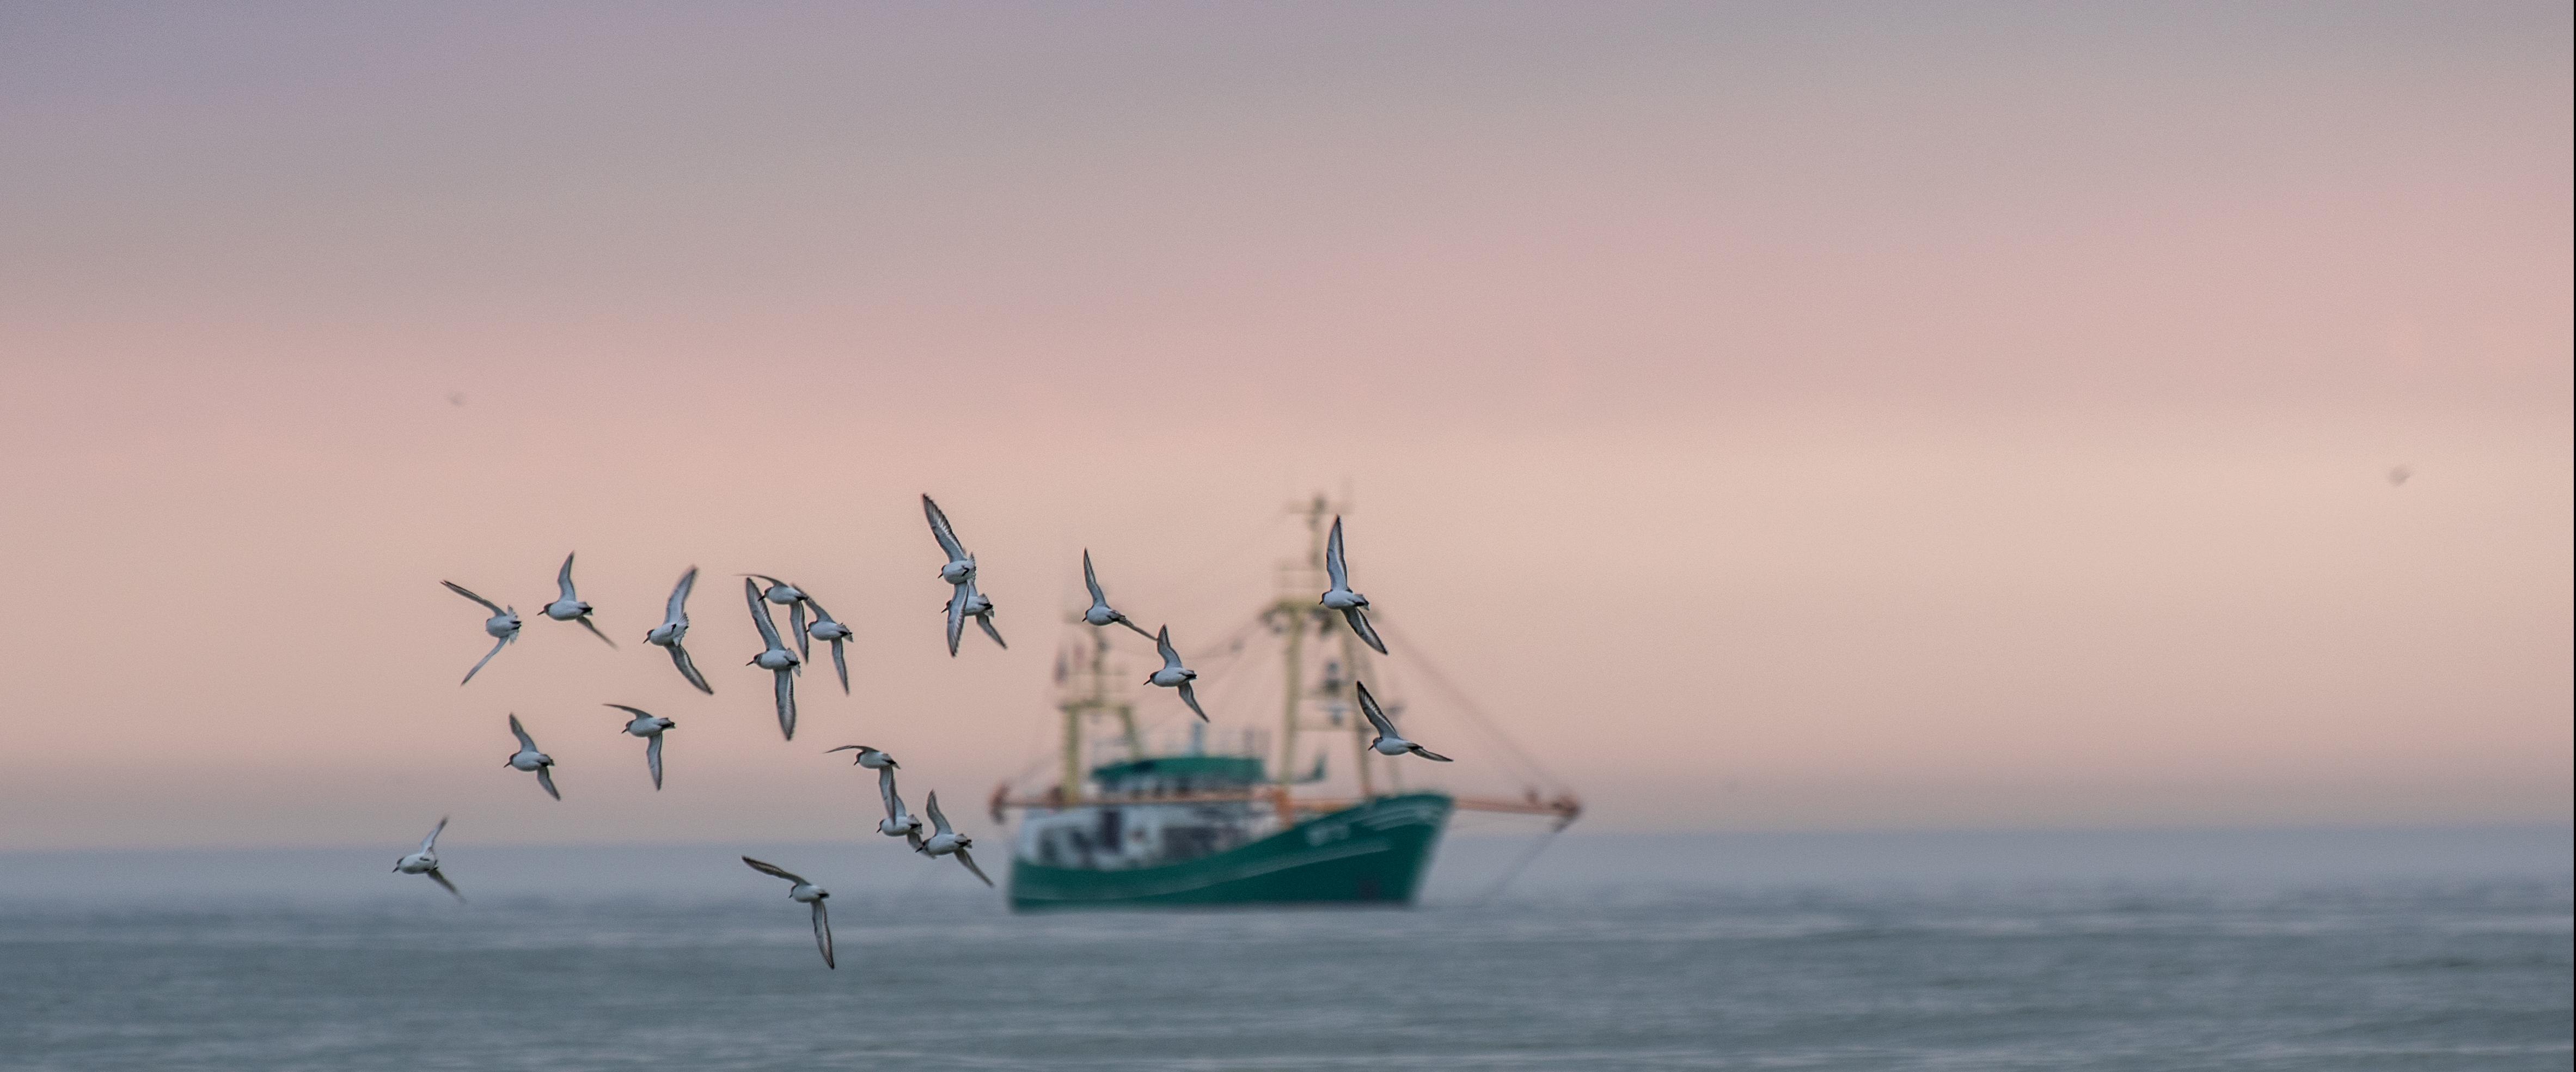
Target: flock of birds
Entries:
(807, 619)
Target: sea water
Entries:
(2283, 950)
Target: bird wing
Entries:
(823, 934)
(986, 621)
(653, 759)
(940, 531)
(796, 625)
(820, 615)
(773, 870)
(760, 613)
(677, 610)
(938, 822)
(787, 704)
(956, 618)
(1131, 624)
(1376, 717)
(912, 837)
(450, 887)
(468, 593)
(586, 623)
(1336, 570)
(563, 579)
(1190, 697)
(885, 791)
(635, 711)
(1092, 581)
(688, 669)
(1429, 754)
(1163, 646)
(969, 861)
(1360, 624)
(841, 666)
(431, 842)
(526, 743)
(546, 778)
(487, 657)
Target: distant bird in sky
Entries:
(568, 607)
(867, 757)
(835, 633)
(502, 625)
(527, 758)
(649, 726)
(2398, 477)
(792, 598)
(804, 892)
(425, 861)
(1175, 676)
(946, 841)
(1101, 613)
(1340, 597)
(959, 572)
(1389, 742)
(776, 659)
(456, 398)
(675, 628)
(898, 822)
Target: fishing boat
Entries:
(1261, 820)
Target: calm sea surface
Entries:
(2281, 950)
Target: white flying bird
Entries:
(503, 625)
(568, 607)
(675, 628)
(776, 659)
(959, 572)
(1175, 676)
(898, 822)
(946, 841)
(1101, 613)
(1340, 597)
(835, 633)
(527, 758)
(1388, 742)
(792, 598)
(425, 862)
(649, 726)
(867, 757)
(805, 892)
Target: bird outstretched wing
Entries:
(468, 593)
(940, 531)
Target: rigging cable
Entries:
(1536, 846)
(1468, 707)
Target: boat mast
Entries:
(1353, 665)
(1078, 708)
(1289, 613)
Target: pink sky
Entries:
(1972, 416)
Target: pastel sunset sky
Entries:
(1780, 416)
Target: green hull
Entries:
(1375, 853)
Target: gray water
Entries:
(2263, 950)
